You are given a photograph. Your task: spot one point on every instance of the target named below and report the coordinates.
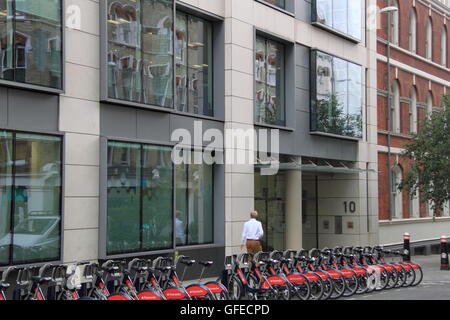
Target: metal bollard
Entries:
(444, 253)
(406, 247)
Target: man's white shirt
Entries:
(252, 231)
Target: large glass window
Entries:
(31, 43)
(344, 16)
(269, 82)
(144, 39)
(30, 198)
(194, 211)
(193, 54)
(140, 211)
(139, 198)
(337, 96)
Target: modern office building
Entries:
(95, 96)
(419, 76)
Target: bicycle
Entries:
(266, 285)
(170, 278)
(299, 284)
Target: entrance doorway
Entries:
(270, 204)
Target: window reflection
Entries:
(337, 105)
(278, 3)
(124, 55)
(124, 192)
(157, 186)
(32, 183)
(6, 154)
(140, 210)
(30, 40)
(194, 211)
(341, 15)
(193, 48)
(144, 41)
(269, 82)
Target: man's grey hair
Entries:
(254, 214)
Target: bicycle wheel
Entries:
(402, 277)
(419, 275)
(410, 277)
(317, 289)
(328, 289)
(253, 285)
(351, 286)
(284, 292)
(383, 279)
(303, 290)
(338, 288)
(392, 280)
(235, 289)
(362, 284)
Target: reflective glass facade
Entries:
(30, 198)
(145, 39)
(140, 211)
(269, 82)
(31, 42)
(194, 198)
(341, 15)
(337, 96)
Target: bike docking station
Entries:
(444, 253)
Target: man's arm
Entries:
(244, 235)
(260, 231)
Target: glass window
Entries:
(278, 3)
(30, 198)
(337, 101)
(124, 193)
(157, 48)
(194, 212)
(140, 211)
(6, 156)
(124, 51)
(269, 82)
(344, 16)
(193, 53)
(144, 39)
(157, 195)
(31, 43)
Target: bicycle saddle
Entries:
(41, 280)
(4, 285)
(188, 262)
(206, 263)
(141, 269)
(164, 268)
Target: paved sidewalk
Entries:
(435, 284)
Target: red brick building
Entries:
(419, 76)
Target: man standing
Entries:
(252, 234)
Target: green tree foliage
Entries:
(429, 151)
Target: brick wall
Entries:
(407, 79)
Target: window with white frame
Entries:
(413, 30)
(429, 40)
(429, 104)
(413, 111)
(395, 25)
(395, 107)
(397, 195)
(444, 41)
